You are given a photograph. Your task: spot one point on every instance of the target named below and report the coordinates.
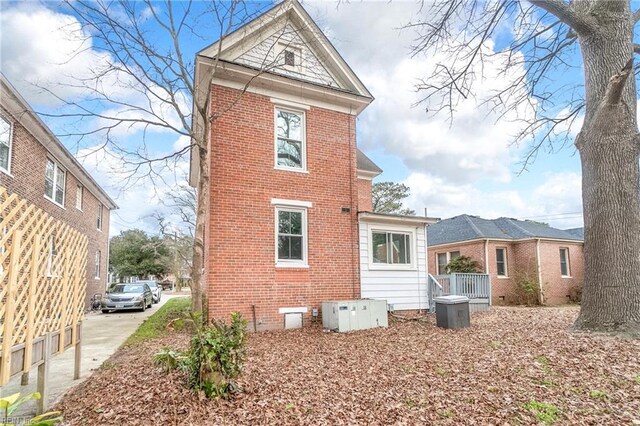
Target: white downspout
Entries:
(486, 257)
(539, 270)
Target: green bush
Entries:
(216, 357)
(9, 404)
(527, 288)
(463, 264)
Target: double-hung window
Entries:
(54, 182)
(292, 236)
(79, 194)
(290, 140)
(565, 269)
(5, 145)
(501, 262)
(444, 259)
(99, 217)
(97, 264)
(390, 248)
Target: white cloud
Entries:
(550, 201)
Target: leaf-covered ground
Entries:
(513, 366)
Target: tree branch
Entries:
(636, 16)
(566, 14)
(616, 84)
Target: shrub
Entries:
(527, 288)
(216, 357)
(463, 264)
(11, 403)
(575, 294)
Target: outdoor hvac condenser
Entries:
(350, 315)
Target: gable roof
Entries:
(466, 227)
(22, 112)
(286, 24)
(578, 232)
(366, 164)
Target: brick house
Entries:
(35, 165)
(506, 248)
(289, 224)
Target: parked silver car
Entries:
(156, 290)
(127, 297)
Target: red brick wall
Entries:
(556, 288)
(241, 270)
(28, 160)
(521, 257)
(364, 195)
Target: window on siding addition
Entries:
(290, 139)
(99, 217)
(5, 145)
(565, 269)
(54, 182)
(292, 236)
(79, 194)
(501, 262)
(97, 264)
(391, 248)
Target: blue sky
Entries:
(467, 166)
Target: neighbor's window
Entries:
(79, 194)
(391, 248)
(54, 182)
(52, 253)
(292, 230)
(97, 265)
(501, 262)
(444, 259)
(99, 218)
(290, 140)
(565, 270)
(5, 145)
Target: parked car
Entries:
(156, 290)
(127, 297)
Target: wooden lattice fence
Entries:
(43, 274)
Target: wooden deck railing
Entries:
(473, 286)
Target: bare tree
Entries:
(144, 43)
(548, 36)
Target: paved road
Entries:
(102, 335)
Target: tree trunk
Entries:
(198, 295)
(609, 149)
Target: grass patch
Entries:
(156, 325)
(598, 394)
(637, 379)
(545, 413)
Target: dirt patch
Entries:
(513, 366)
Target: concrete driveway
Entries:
(102, 334)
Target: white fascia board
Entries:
(289, 104)
(291, 203)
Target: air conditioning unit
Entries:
(351, 315)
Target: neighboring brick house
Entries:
(507, 248)
(289, 223)
(35, 165)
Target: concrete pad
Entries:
(101, 335)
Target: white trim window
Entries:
(97, 264)
(501, 262)
(79, 196)
(565, 268)
(290, 141)
(291, 237)
(6, 137)
(443, 259)
(54, 182)
(391, 248)
(99, 218)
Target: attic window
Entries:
(289, 58)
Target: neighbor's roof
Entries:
(365, 163)
(578, 232)
(13, 102)
(466, 227)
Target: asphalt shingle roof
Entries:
(365, 163)
(578, 232)
(466, 227)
